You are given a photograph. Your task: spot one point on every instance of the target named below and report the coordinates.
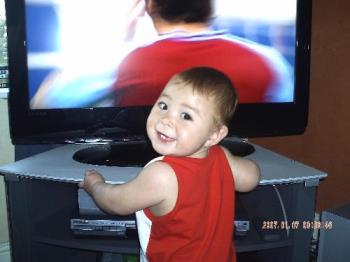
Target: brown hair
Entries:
(212, 83)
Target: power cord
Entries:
(283, 208)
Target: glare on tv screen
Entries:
(75, 48)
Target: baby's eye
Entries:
(186, 116)
(162, 106)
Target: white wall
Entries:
(6, 156)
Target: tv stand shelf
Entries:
(54, 230)
(42, 198)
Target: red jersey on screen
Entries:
(254, 69)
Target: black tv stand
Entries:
(124, 154)
(238, 147)
(139, 153)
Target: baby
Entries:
(184, 200)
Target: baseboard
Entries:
(5, 252)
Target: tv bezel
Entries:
(99, 125)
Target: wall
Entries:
(326, 143)
(6, 156)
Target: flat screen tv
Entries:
(64, 58)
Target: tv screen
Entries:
(69, 62)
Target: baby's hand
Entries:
(91, 178)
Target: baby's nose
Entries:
(168, 120)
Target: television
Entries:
(77, 46)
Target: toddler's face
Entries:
(181, 122)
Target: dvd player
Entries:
(102, 227)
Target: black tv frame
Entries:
(95, 125)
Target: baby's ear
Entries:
(219, 134)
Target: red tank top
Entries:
(200, 227)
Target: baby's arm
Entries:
(149, 189)
(246, 173)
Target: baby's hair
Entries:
(212, 83)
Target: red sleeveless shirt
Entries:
(200, 227)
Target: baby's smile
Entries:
(164, 138)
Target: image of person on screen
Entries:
(184, 200)
(186, 39)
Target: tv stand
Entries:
(130, 154)
(42, 198)
(238, 147)
(139, 153)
